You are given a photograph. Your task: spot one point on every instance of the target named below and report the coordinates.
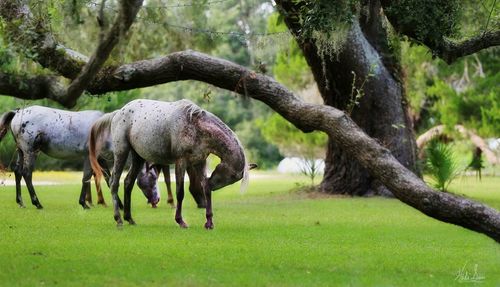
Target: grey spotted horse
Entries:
(57, 133)
(166, 133)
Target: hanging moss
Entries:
(425, 20)
(326, 22)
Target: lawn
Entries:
(268, 236)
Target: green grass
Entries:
(268, 236)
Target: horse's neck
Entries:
(221, 140)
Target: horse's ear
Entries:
(157, 168)
(252, 166)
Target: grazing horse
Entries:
(165, 133)
(147, 180)
(57, 133)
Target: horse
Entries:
(165, 133)
(57, 133)
(147, 182)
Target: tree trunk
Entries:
(365, 60)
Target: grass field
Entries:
(268, 236)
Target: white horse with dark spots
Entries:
(57, 133)
(164, 133)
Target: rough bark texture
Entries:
(382, 112)
(342, 130)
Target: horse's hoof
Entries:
(39, 206)
(103, 204)
(119, 225)
(183, 225)
(118, 220)
(209, 226)
(130, 221)
(85, 206)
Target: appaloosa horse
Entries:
(57, 133)
(165, 133)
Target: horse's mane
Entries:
(192, 109)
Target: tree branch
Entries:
(125, 18)
(31, 88)
(67, 62)
(405, 185)
(49, 53)
(450, 51)
(444, 48)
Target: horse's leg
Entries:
(18, 168)
(202, 184)
(27, 172)
(180, 169)
(85, 193)
(100, 198)
(135, 168)
(88, 197)
(119, 164)
(195, 187)
(107, 178)
(166, 176)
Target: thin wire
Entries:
(489, 17)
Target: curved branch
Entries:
(31, 88)
(444, 48)
(405, 185)
(450, 51)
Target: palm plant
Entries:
(441, 164)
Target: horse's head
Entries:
(147, 180)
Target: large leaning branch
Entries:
(378, 160)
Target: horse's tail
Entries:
(96, 140)
(5, 122)
(244, 181)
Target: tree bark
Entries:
(365, 61)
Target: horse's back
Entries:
(156, 130)
(58, 133)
